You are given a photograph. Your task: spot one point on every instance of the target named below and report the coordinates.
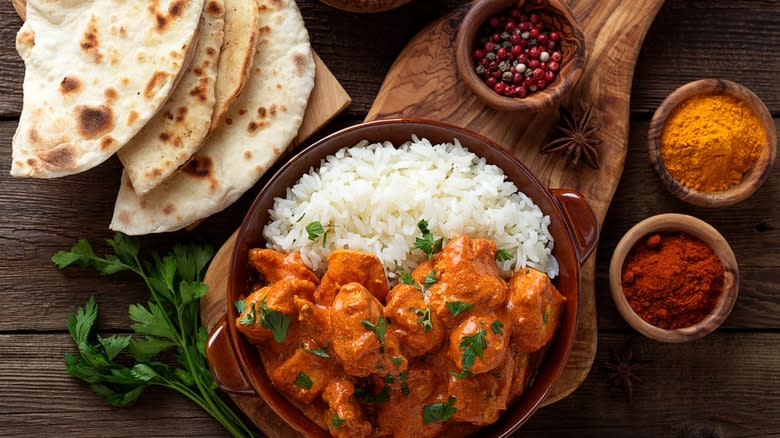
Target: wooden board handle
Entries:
(222, 361)
(581, 221)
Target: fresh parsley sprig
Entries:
(315, 229)
(473, 346)
(406, 278)
(119, 368)
(379, 330)
(457, 307)
(503, 255)
(424, 318)
(427, 243)
(436, 412)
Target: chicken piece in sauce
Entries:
(350, 266)
(358, 325)
(522, 373)
(479, 343)
(278, 296)
(535, 306)
(344, 417)
(304, 375)
(274, 265)
(315, 325)
(480, 399)
(406, 310)
(402, 416)
(466, 271)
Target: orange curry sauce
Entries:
(453, 351)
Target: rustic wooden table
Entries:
(727, 384)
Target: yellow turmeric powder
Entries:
(710, 141)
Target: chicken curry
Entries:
(445, 349)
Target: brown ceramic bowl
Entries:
(556, 14)
(365, 6)
(754, 177)
(699, 229)
(235, 362)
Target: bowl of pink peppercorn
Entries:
(519, 55)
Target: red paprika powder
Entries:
(672, 280)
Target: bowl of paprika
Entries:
(712, 142)
(674, 278)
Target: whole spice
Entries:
(578, 138)
(516, 53)
(621, 370)
(710, 141)
(672, 280)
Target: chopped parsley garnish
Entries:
(389, 379)
(303, 381)
(315, 229)
(457, 307)
(496, 327)
(406, 277)
(337, 421)
(396, 360)
(427, 243)
(300, 218)
(473, 347)
(379, 330)
(405, 389)
(250, 317)
(317, 352)
(461, 374)
(275, 321)
(424, 318)
(503, 255)
(546, 315)
(240, 306)
(436, 412)
(429, 279)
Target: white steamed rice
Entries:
(373, 195)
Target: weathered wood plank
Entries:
(40, 217)
(359, 48)
(715, 384)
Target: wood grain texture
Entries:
(614, 31)
(685, 391)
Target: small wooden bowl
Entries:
(753, 178)
(365, 6)
(556, 14)
(672, 222)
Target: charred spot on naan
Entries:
(201, 90)
(132, 118)
(201, 167)
(300, 61)
(175, 10)
(93, 121)
(107, 142)
(181, 114)
(90, 43)
(70, 85)
(125, 216)
(110, 94)
(157, 81)
(62, 156)
(215, 9)
(169, 209)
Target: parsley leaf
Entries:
(380, 397)
(389, 379)
(303, 381)
(240, 306)
(503, 255)
(461, 374)
(275, 321)
(429, 280)
(337, 421)
(379, 330)
(425, 318)
(473, 346)
(396, 360)
(317, 352)
(546, 314)
(457, 307)
(496, 327)
(406, 276)
(120, 368)
(437, 412)
(405, 389)
(250, 317)
(315, 229)
(427, 243)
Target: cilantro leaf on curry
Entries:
(275, 321)
(424, 319)
(457, 307)
(303, 381)
(503, 255)
(427, 243)
(473, 346)
(379, 329)
(439, 412)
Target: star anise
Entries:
(578, 137)
(621, 370)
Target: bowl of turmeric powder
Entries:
(674, 278)
(712, 142)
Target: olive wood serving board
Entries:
(423, 83)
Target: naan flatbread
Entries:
(181, 125)
(258, 127)
(237, 55)
(96, 72)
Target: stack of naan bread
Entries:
(197, 97)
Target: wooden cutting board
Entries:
(423, 83)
